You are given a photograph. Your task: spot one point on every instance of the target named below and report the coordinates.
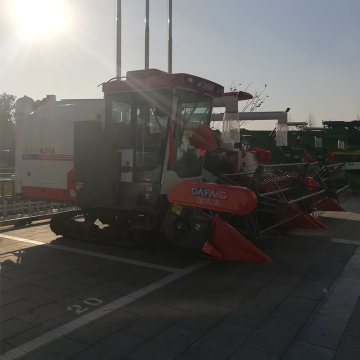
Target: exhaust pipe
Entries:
(147, 37)
(170, 38)
(118, 40)
(147, 32)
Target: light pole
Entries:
(147, 34)
(170, 38)
(118, 40)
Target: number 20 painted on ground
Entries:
(88, 301)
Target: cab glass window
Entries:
(193, 109)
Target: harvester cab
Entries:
(153, 139)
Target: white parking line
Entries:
(96, 314)
(345, 241)
(91, 253)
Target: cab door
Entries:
(119, 128)
(137, 134)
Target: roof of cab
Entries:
(156, 79)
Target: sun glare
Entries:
(40, 17)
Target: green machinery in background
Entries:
(335, 142)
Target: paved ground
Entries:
(62, 299)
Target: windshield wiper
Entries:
(187, 121)
(157, 120)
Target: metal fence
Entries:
(7, 172)
(7, 184)
(5, 193)
(29, 207)
(12, 209)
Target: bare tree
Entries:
(257, 102)
(290, 120)
(254, 104)
(311, 120)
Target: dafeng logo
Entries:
(198, 191)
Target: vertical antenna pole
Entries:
(118, 39)
(147, 31)
(170, 38)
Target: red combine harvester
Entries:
(142, 171)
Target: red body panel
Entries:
(316, 221)
(50, 193)
(241, 95)
(329, 205)
(224, 198)
(305, 221)
(227, 244)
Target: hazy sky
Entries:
(306, 51)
